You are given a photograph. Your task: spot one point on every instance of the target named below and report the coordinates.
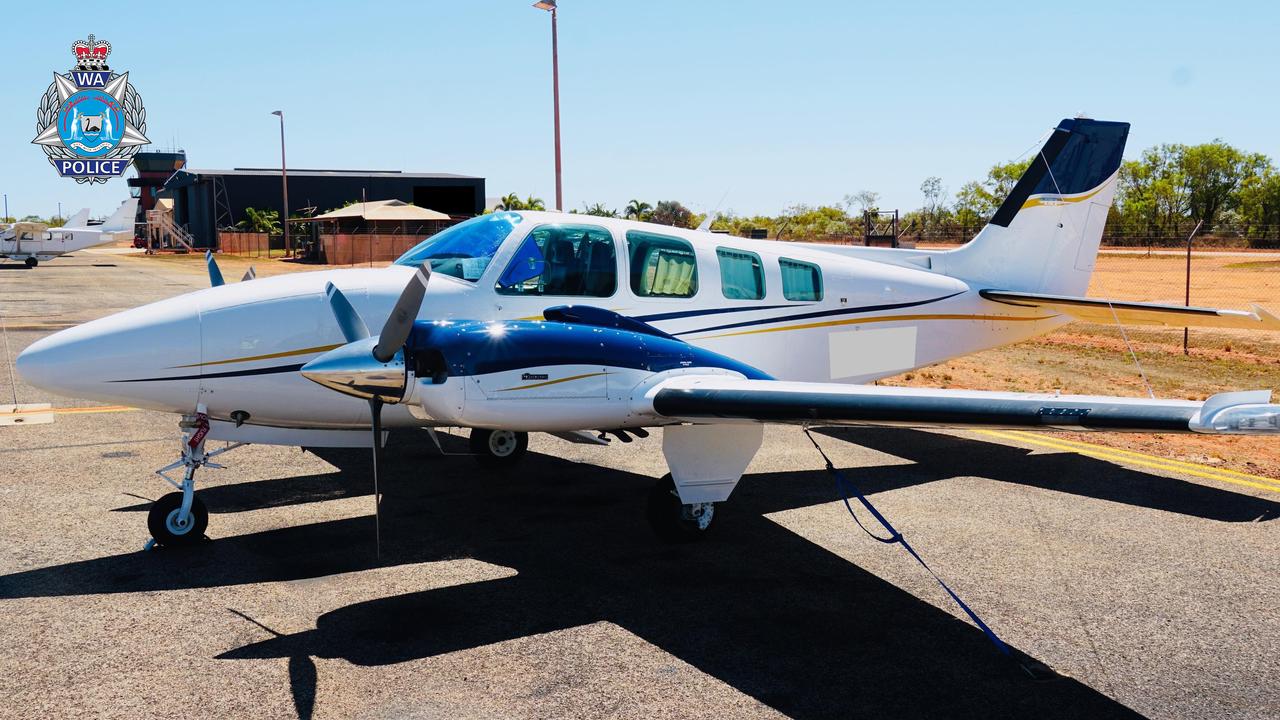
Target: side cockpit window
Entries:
(464, 250)
(567, 260)
(662, 266)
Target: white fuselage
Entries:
(21, 244)
(238, 346)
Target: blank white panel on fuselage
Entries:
(870, 351)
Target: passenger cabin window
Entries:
(662, 266)
(741, 274)
(578, 260)
(800, 280)
(464, 250)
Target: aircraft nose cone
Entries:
(145, 357)
(352, 370)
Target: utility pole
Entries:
(284, 182)
(550, 6)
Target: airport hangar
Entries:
(205, 201)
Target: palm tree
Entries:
(262, 221)
(534, 203)
(637, 210)
(510, 201)
(599, 210)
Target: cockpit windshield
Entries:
(465, 249)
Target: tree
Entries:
(637, 210)
(599, 210)
(806, 222)
(866, 200)
(980, 200)
(1214, 173)
(534, 203)
(1259, 207)
(934, 206)
(263, 221)
(671, 212)
(510, 201)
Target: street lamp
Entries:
(284, 180)
(550, 6)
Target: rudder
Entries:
(1045, 235)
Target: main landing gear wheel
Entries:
(675, 521)
(499, 448)
(169, 529)
(32, 262)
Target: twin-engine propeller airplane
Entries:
(500, 324)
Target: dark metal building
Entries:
(205, 201)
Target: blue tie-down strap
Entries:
(847, 488)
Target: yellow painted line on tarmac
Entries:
(1130, 457)
(77, 410)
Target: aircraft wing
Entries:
(695, 398)
(1138, 313)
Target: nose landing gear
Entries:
(180, 518)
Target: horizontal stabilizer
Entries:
(1138, 313)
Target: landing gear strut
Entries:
(675, 521)
(180, 518)
(499, 448)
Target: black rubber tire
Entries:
(158, 525)
(666, 515)
(483, 451)
(32, 262)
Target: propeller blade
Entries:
(400, 323)
(215, 275)
(249, 274)
(375, 413)
(352, 325)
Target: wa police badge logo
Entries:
(91, 121)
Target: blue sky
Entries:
(765, 104)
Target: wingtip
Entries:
(1269, 321)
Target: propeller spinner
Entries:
(368, 366)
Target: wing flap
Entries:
(695, 399)
(1139, 313)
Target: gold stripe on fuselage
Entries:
(551, 382)
(268, 356)
(879, 318)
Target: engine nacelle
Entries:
(577, 373)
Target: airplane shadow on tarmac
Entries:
(757, 606)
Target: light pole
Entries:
(550, 6)
(284, 183)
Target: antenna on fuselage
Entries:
(714, 215)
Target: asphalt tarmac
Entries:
(540, 592)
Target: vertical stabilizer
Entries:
(79, 220)
(123, 219)
(1045, 236)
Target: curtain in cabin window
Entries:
(741, 275)
(662, 266)
(800, 280)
